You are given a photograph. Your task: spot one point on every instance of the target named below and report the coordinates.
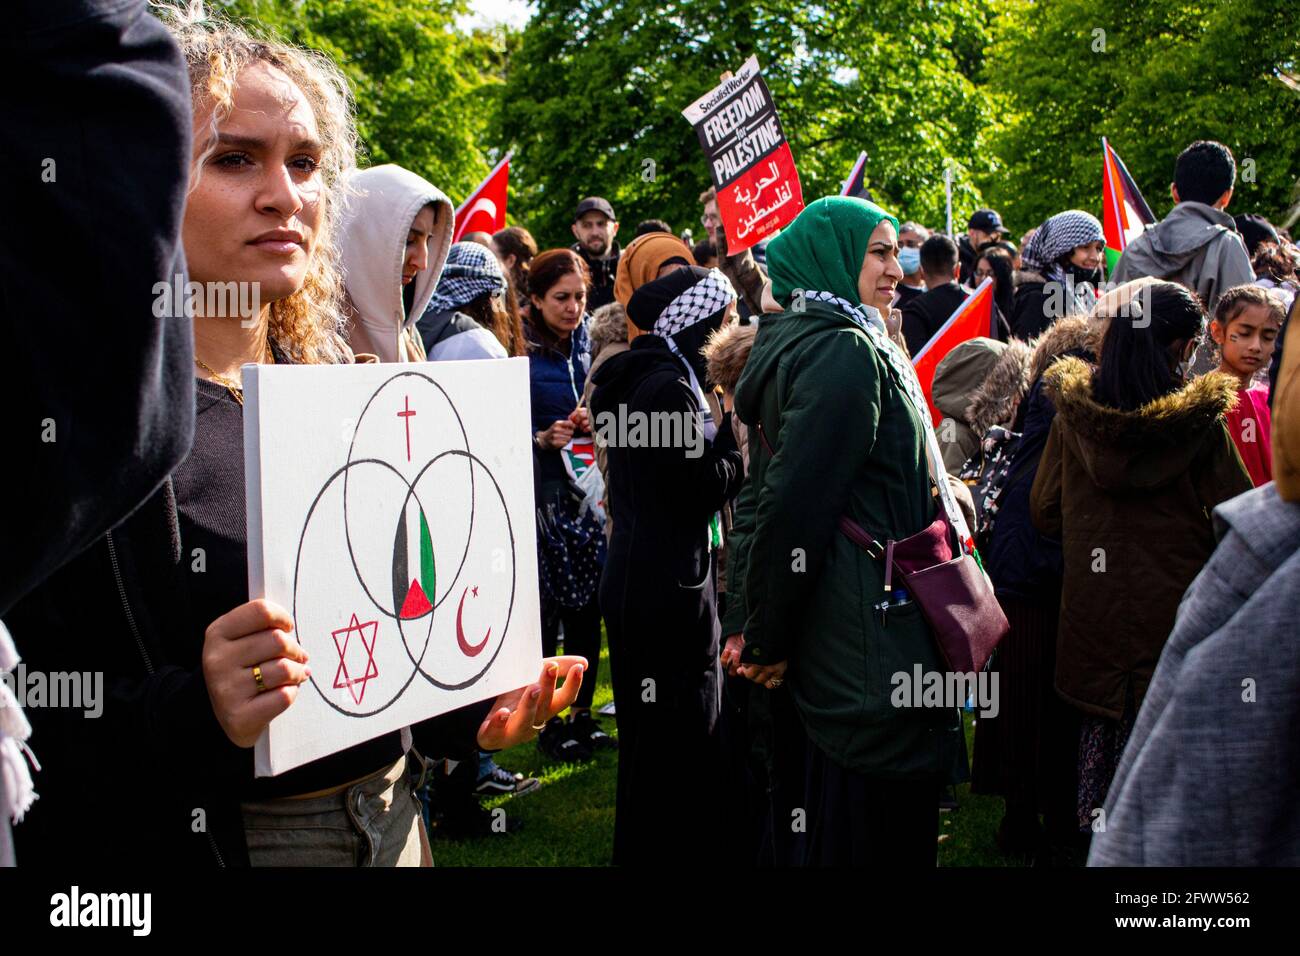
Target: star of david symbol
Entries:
(356, 686)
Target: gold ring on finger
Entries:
(257, 676)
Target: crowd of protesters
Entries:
(1121, 447)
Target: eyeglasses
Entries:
(709, 219)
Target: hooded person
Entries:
(1049, 285)
(395, 232)
(1135, 460)
(1209, 776)
(956, 380)
(839, 429)
(471, 279)
(1197, 245)
(671, 468)
(647, 258)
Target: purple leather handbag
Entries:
(953, 593)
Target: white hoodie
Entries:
(382, 203)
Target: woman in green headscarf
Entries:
(838, 428)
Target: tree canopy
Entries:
(1013, 95)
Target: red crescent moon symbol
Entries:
(468, 649)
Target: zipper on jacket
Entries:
(126, 606)
(139, 642)
(573, 382)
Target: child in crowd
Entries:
(1246, 324)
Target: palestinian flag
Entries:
(1124, 212)
(856, 184)
(972, 318)
(579, 455)
(414, 580)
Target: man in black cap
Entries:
(595, 226)
(984, 226)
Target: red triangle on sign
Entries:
(416, 604)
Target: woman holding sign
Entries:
(193, 670)
(839, 431)
(570, 534)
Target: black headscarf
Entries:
(697, 316)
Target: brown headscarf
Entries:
(640, 263)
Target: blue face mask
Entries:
(910, 260)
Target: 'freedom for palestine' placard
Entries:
(749, 158)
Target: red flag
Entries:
(485, 209)
(973, 318)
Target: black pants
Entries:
(581, 636)
(854, 820)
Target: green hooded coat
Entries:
(844, 440)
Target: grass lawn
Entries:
(569, 821)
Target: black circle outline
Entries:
(514, 562)
(297, 567)
(347, 532)
(418, 665)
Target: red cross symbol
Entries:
(356, 686)
(407, 416)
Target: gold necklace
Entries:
(236, 390)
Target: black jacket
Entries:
(1022, 562)
(658, 599)
(657, 574)
(99, 137)
(603, 272)
(1029, 317)
(924, 315)
(968, 258)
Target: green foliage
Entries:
(424, 89)
(1170, 73)
(1015, 95)
(596, 90)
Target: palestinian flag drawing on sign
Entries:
(414, 580)
(1124, 212)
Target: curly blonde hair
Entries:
(308, 325)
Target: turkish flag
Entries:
(485, 209)
(972, 318)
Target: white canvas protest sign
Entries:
(390, 510)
